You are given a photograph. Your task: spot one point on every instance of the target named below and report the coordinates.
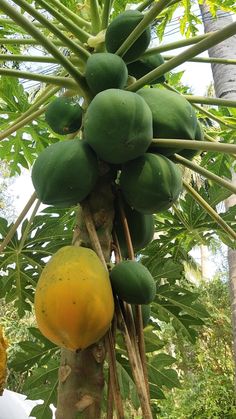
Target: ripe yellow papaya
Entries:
(74, 304)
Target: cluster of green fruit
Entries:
(118, 127)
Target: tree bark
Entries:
(224, 77)
(81, 379)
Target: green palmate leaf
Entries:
(126, 383)
(219, 164)
(182, 298)
(23, 265)
(35, 352)
(40, 357)
(179, 305)
(161, 376)
(164, 360)
(164, 269)
(163, 19)
(152, 341)
(13, 98)
(42, 385)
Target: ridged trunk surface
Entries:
(81, 380)
(224, 77)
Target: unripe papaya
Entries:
(73, 299)
(199, 136)
(141, 228)
(144, 65)
(118, 125)
(65, 173)
(132, 282)
(120, 28)
(105, 71)
(173, 117)
(64, 115)
(151, 183)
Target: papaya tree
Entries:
(110, 134)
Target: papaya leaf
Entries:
(152, 341)
(127, 385)
(37, 351)
(23, 265)
(42, 385)
(161, 376)
(165, 269)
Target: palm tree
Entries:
(224, 77)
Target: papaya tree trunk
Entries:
(81, 379)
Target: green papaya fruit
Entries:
(173, 117)
(64, 115)
(65, 173)
(120, 28)
(144, 65)
(118, 125)
(132, 282)
(105, 71)
(199, 136)
(141, 228)
(151, 183)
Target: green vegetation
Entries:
(110, 190)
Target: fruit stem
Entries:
(92, 232)
(177, 44)
(138, 311)
(205, 60)
(211, 100)
(31, 113)
(63, 82)
(22, 122)
(213, 117)
(126, 228)
(135, 364)
(107, 5)
(75, 47)
(144, 5)
(213, 214)
(23, 22)
(21, 217)
(194, 145)
(67, 23)
(89, 223)
(140, 28)
(113, 378)
(26, 230)
(28, 58)
(210, 41)
(27, 41)
(78, 20)
(204, 172)
(199, 108)
(214, 140)
(95, 16)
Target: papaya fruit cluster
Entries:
(74, 301)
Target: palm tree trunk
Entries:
(224, 77)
